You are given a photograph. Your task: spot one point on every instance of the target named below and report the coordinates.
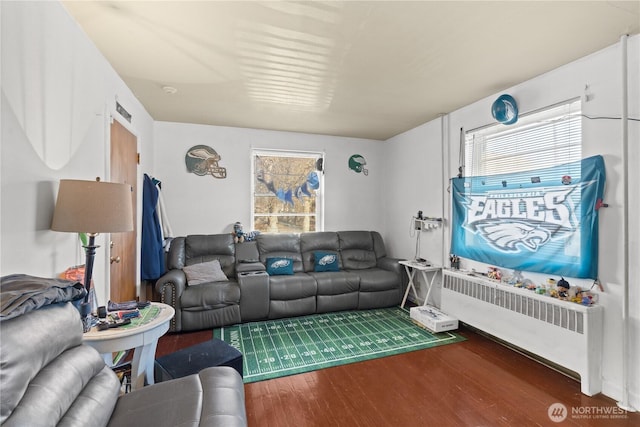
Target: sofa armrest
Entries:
(248, 258)
(212, 397)
(393, 264)
(170, 287)
(254, 295)
(249, 267)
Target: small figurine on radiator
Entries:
(563, 288)
(573, 293)
(494, 273)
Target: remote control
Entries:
(117, 306)
(103, 326)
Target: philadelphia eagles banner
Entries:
(543, 220)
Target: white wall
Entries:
(204, 205)
(414, 182)
(58, 95)
(602, 73)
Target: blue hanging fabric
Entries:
(312, 182)
(152, 254)
(544, 220)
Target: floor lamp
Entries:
(92, 207)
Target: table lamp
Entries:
(92, 207)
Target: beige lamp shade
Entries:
(93, 207)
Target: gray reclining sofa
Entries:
(365, 278)
(50, 378)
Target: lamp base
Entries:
(93, 301)
(86, 317)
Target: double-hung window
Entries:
(540, 139)
(287, 191)
(528, 200)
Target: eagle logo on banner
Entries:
(510, 236)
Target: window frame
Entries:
(569, 112)
(319, 192)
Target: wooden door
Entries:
(124, 165)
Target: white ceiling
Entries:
(369, 69)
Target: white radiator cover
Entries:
(565, 333)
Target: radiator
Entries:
(565, 333)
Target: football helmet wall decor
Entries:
(203, 160)
(356, 164)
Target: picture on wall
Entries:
(543, 220)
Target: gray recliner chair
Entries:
(48, 377)
(208, 305)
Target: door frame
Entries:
(111, 116)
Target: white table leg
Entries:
(410, 273)
(430, 283)
(142, 365)
(137, 378)
(149, 356)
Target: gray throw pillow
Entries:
(204, 272)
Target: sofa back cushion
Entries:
(357, 250)
(322, 241)
(175, 257)
(204, 248)
(378, 245)
(280, 246)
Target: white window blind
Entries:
(539, 139)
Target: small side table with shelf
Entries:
(142, 337)
(411, 267)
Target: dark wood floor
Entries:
(474, 383)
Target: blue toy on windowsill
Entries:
(239, 235)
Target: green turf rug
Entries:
(276, 348)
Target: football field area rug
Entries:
(277, 348)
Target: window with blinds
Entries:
(540, 139)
